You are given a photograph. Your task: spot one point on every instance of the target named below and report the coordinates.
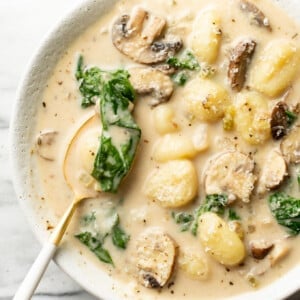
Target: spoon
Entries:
(33, 277)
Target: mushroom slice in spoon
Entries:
(155, 257)
(153, 82)
(290, 146)
(231, 173)
(137, 39)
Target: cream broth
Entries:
(61, 112)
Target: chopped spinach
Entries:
(186, 61)
(180, 78)
(95, 244)
(291, 117)
(286, 210)
(119, 237)
(88, 219)
(113, 160)
(213, 203)
(232, 215)
(184, 219)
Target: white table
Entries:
(23, 23)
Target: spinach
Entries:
(88, 219)
(95, 244)
(180, 78)
(286, 210)
(114, 159)
(115, 92)
(119, 237)
(184, 219)
(232, 215)
(291, 117)
(213, 203)
(186, 61)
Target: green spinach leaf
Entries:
(94, 243)
(115, 93)
(232, 215)
(286, 210)
(186, 61)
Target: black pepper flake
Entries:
(44, 104)
(231, 283)
(170, 284)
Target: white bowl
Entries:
(22, 124)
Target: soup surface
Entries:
(210, 203)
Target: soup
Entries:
(183, 117)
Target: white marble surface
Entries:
(22, 25)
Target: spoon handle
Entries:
(38, 268)
(36, 272)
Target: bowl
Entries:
(29, 93)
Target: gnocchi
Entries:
(223, 244)
(206, 36)
(252, 118)
(206, 100)
(276, 68)
(173, 184)
(174, 146)
(194, 264)
(164, 119)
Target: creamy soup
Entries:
(191, 149)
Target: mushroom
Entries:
(44, 144)
(152, 82)
(155, 257)
(231, 173)
(137, 39)
(239, 61)
(257, 17)
(290, 146)
(260, 248)
(279, 120)
(273, 173)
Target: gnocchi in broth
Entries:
(183, 118)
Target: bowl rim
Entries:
(278, 289)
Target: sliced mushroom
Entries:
(260, 248)
(155, 257)
(44, 144)
(231, 173)
(290, 146)
(239, 61)
(273, 173)
(137, 39)
(153, 82)
(279, 120)
(257, 17)
(280, 250)
(165, 68)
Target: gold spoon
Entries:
(38, 268)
